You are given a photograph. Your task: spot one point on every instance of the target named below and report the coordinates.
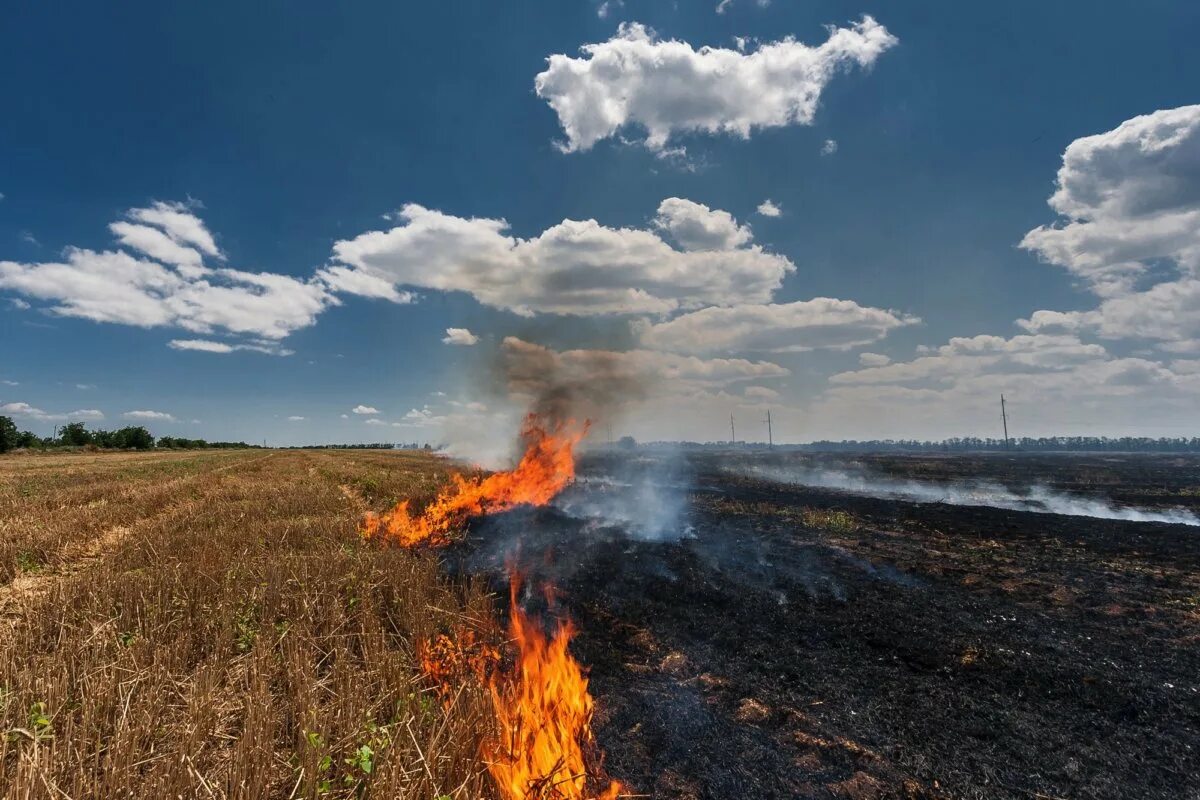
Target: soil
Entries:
(783, 641)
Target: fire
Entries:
(541, 705)
(544, 713)
(547, 465)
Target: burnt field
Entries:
(750, 634)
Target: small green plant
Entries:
(363, 760)
(837, 521)
(28, 562)
(126, 638)
(41, 724)
(324, 763)
(245, 630)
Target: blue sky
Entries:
(906, 192)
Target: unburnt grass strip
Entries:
(239, 640)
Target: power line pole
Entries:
(1004, 419)
(770, 436)
(732, 431)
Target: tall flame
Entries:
(547, 465)
(542, 706)
(544, 713)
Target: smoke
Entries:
(646, 498)
(1037, 498)
(572, 385)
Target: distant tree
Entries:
(627, 443)
(8, 434)
(135, 437)
(75, 434)
(29, 439)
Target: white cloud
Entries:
(822, 322)
(364, 284)
(11, 383)
(574, 267)
(209, 346)
(460, 336)
(149, 416)
(375, 422)
(170, 287)
(1055, 383)
(829, 147)
(607, 7)
(19, 304)
(668, 87)
(1130, 202)
(767, 208)
(724, 5)
(760, 393)
(361, 409)
(295, 419)
(178, 222)
(344, 416)
(873, 360)
(85, 386)
(694, 226)
(159, 246)
(1129, 197)
(26, 411)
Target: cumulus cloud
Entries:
(829, 147)
(760, 393)
(161, 281)
(873, 360)
(694, 226)
(822, 322)
(574, 267)
(668, 87)
(1130, 203)
(149, 416)
(364, 410)
(460, 336)
(769, 209)
(26, 411)
(1055, 382)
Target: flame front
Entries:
(547, 465)
(542, 706)
(544, 713)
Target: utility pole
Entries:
(1004, 419)
(732, 431)
(770, 436)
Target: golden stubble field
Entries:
(210, 624)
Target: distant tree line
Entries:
(372, 446)
(969, 444)
(1122, 444)
(76, 434)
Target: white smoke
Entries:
(1037, 498)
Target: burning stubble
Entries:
(544, 748)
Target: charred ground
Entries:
(781, 641)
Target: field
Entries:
(212, 625)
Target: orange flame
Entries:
(542, 706)
(546, 467)
(545, 715)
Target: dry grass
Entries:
(210, 625)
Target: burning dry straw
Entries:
(543, 747)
